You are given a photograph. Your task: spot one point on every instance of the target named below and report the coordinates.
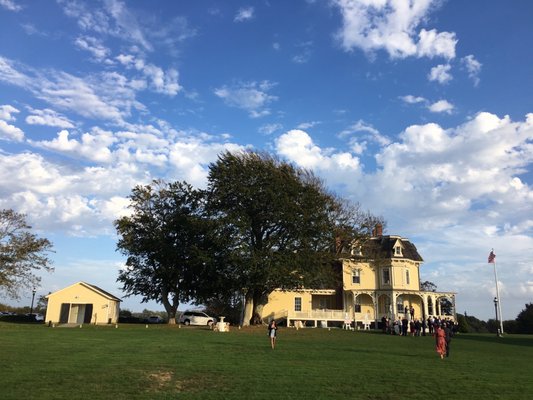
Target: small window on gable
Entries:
(398, 250)
(356, 276)
(356, 251)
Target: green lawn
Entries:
(162, 362)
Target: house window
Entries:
(297, 304)
(399, 305)
(398, 251)
(357, 305)
(356, 251)
(356, 276)
(386, 276)
(407, 279)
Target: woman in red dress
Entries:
(440, 341)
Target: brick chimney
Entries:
(378, 230)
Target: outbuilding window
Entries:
(297, 304)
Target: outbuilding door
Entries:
(63, 316)
(76, 313)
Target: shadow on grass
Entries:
(513, 340)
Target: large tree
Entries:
(166, 240)
(282, 224)
(22, 253)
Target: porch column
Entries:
(425, 305)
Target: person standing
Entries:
(272, 328)
(440, 341)
(448, 337)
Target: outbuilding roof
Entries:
(94, 288)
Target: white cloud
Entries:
(93, 46)
(114, 19)
(98, 97)
(244, 14)
(10, 5)
(441, 74)
(5, 112)
(160, 81)
(250, 96)
(433, 44)
(372, 134)
(307, 125)
(390, 25)
(473, 67)
(71, 93)
(297, 146)
(10, 132)
(48, 117)
(410, 99)
(93, 146)
(10, 75)
(441, 106)
(269, 129)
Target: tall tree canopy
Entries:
(22, 253)
(166, 241)
(282, 224)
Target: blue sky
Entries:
(420, 110)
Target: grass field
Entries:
(163, 362)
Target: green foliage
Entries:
(167, 244)
(22, 254)
(280, 222)
(228, 305)
(470, 324)
(428, 286)
(525, 319)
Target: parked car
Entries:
(37, 317)
(154, 319)
(196, 318)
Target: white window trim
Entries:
(296, 303)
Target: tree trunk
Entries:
(248, 308)
(260, 299)
(170, 308)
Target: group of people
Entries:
(442, 329)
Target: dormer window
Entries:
(356, 251)
(398, 249)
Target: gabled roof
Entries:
(90, 287)
(383, 247)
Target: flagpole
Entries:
(498, 297)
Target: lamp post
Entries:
(32, 298)
(496, 312)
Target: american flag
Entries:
(492, 257)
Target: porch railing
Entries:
(337, 315)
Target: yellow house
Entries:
(82, 303)
(380, 278)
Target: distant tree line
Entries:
(522, 324)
